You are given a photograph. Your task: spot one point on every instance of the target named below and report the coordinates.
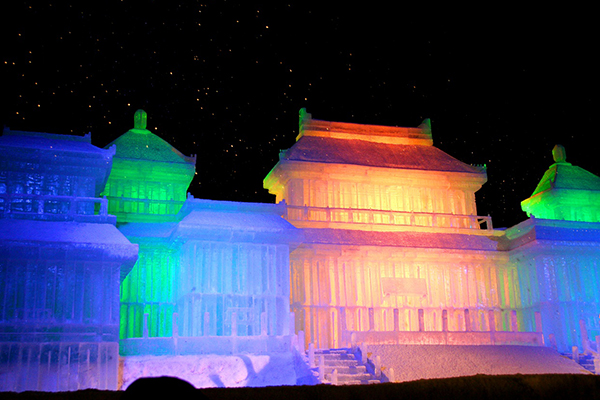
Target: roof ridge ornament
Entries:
(426, 126)
(140, 119)
(559, 154)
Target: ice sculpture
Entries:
(557, 254)
(61, 262)
(393, 241)
(214, 273)
(375, 237)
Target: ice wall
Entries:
(227, 277)
(559, 277)
(348, 281)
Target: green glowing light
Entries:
(149, 177)
(566, 192)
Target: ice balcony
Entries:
(229, 335)
(55, 208)
(385, 220)
(143, 208)
(454, 326)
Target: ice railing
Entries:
(58, 366)
(54, 208)
(427, 326)
(230, 341)
(386, 217)
(144, 206)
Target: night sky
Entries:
(225, 80)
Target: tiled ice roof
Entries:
(50, 142)
(142, 144)
(566, 176)
(360, 152)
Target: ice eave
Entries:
(72, 235)
(51, 142)
(551, 231)
(236, 221)
(287, 169)
(444, 241)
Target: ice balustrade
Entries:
(54, 208)
(143, 206)
(219, 335)
(385, 217)
(330, 326)
(58, 367)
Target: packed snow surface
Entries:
(412, 362)
(206, 371)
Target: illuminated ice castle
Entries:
(375, 238)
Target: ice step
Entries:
(350, 377)
(336, 356)
(349, 371)
(344, 363)
(359, 369)
(585, 360)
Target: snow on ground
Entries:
(412, 362)
(206, 371)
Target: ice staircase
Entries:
(585, 360)
(341, 362)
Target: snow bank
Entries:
(437, 361)
(210, 371)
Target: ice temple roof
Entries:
(141, 144)
(564, 175)
(51, 141)
(371, 145)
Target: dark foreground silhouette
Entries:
(164, 387)
(511, 387)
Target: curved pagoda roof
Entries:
(141, 144)
(371, 145)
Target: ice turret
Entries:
(566, 192)
(149, 178)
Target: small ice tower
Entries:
(557, 253)
(146, 189)
(149, 178)
(566, 192)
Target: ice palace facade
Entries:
(374, 237)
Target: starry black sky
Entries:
(225, 80)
